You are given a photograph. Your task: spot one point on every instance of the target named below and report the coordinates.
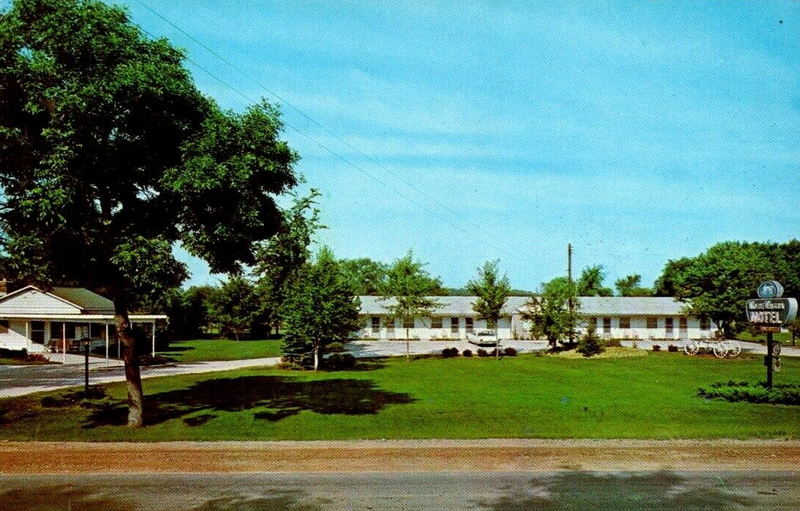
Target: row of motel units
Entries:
(619, 317)
(59, 319)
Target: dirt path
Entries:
(397, 456)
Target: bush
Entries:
(612, 343)
(335, 347)
(590, 343)
(467, 353)
(783, 394)
(450, 352)
(339, 361)
(510, 352)
(150, 360)
(483, 353)
(13, 354)
(672, 348)
(656, 347)
(35, 357)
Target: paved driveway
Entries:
(21, 380)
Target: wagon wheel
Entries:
(691, 348)
(720, 349)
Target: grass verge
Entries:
(199, 350)
(652, 397)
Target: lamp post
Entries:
(86, 343)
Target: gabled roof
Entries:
(87, 300)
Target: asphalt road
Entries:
(555, 491)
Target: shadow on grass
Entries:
(613, 492)
(271, 398)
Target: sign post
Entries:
(767, 314)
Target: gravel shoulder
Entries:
(493, 455)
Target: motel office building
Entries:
(614, 317)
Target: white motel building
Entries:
(614, 317)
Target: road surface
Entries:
(554, 491)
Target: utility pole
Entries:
(569, 281)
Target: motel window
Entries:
(683, 324)
(606, 325)
(3, 326)
(454, 325)
(408, 323)
(37, 332)
(376, 324)
(97, 331)
(652, 323)
(705, 324)
(624, 322)
(470, 325)
(668, 325)
(67, 329)
(390, 327)
(436, 322)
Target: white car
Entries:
(482, 338)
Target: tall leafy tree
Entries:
(630, 285)
(234, 307)
(109, 156)
(187, 311)
(550, 315)
(716, 284)
(590, 282)
(410, 286)
(321, 308)
(280, 260)
(491, 291)
(366, 275)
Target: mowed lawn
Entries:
(198, 350)
(653, 396)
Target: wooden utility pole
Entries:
(570, 303)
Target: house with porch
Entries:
(59, 319)
(618, 317)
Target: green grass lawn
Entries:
(783, 337)
(221, 349)
(517, 397)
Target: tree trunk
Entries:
(408, 346)
(132, 376)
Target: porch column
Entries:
(28, 336)
(153, 325)
(106, 344)
(63, 342)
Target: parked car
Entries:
(483, 338)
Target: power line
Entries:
(330, 132)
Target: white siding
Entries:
(35, 302)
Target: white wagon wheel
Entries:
(720, 349)
(691, 348)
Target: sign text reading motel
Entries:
(771, 311)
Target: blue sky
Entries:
(469, 131)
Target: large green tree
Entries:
(280, 260)
(321, 308)
(491, 291)
(716, 284)
(410, 286)
(630, 285)
(366, 275)
(590, 282)
(550, 315)
(233, 307)
(109, 156)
